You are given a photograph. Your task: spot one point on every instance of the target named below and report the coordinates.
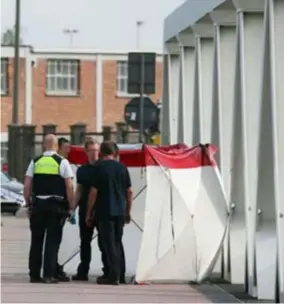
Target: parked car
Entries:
(11, 192)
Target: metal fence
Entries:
(24, 143)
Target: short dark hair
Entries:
(90, 141)
(108, 147)
(62, 141)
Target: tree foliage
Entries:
(8, 37)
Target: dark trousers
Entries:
(105, 268)
(45, 222)
(59, 268)
(86, 235)
(111, 232)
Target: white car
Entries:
(11, 192)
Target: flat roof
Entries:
(85, 51)
(186, 15)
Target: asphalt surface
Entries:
(15, 286)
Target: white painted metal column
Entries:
(174, 95)
(180, 116)
(188, 93)
(275, 16)
(251, 41)
(205, 48)
(99, 93)
(187, 54)
(29, 88)
(222, 120)
(173, 89)
(165, 113)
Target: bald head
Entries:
(50, 142)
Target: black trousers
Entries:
(45, 222)
(86, 236)
(59, 268)
(111, 232)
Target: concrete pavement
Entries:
(15, 286)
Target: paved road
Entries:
(15, 287)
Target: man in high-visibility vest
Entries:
(63, 151)
(49, 180)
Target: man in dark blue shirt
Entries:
(81, 199)
(111, 198)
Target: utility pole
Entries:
(70, 33)
(16, 64)
(139, 24)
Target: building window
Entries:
(4, 76)
(63, 77)
(121, 77)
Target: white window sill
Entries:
(63, 94)
(126, 95)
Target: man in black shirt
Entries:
(111, 195)
(81, 198)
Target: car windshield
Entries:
(5, 178)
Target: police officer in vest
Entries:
(48, 180)
(63, 151)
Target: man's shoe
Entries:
(106, 281)
(50, 280)
(102, 277)
(62, 278)
(36, 280)
(80, 278)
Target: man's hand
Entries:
(127, 219)
(28, 210)
(89, 220)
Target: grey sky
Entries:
(103, 24)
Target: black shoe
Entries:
(50, 280)
(102, 277)
(62, 278)
(107, 281)
(36, 280)
(80, 278)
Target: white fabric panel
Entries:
(162, 257)
(211, 209)
(198, 198)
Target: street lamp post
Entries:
(16, 64)
(71, 33)
(139, 24)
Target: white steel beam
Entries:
(222, 114)
(165, 113)
(251, 41)
(188, 69)
(275, 16)
(174, 70)
(180, 120)
(205, 49)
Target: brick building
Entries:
(68, 86)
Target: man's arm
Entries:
(93, 194)
(67, 173)
(129, 193)
(77, 196)
(78, 191)
(28, 183)
(91, 201)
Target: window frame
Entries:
(58, 64)
(120, 77)
(5, 75)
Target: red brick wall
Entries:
(65, 111)
(7, 101)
